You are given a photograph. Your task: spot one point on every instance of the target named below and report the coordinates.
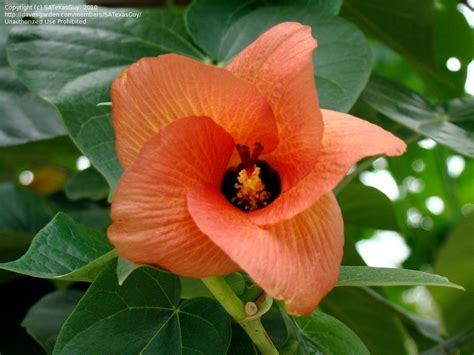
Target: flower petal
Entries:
(279, 64)
(296, 260)
(347, 139)
(156, 91)
(151, 223)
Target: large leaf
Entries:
(321, 332)
(25, 117)
(22, 214)
(209, 20)
(341, 62)
(92, 214)
(73, 66)
(456, 260)
(21, 210)
(424, 33)
(45, 319)
(64, 250)
(144, 316)
(450, 124)
(426, 327)
(366, 206)
(360, 276)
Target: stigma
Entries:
(253, 184)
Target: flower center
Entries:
(253, 184)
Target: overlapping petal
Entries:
(347, 139)
(156, 91)
(279, 64)
(151, 223)
(296, 260)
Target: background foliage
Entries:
(381, 60)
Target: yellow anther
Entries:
(251, 190)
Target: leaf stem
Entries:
(235, 307)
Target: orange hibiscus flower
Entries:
(232, 168)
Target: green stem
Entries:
(235, 307)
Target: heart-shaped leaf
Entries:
(144, 316)
(451, 123)
(64, 250)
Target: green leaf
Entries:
(275, 326)
(125, 269)
(274, 323)
(361, 276)
(321, 332)
(341, 61)
(23, 215)
(25, 117)
(89, 213)
(426, 32)
(73, 67)
(426, 327)
(209, 20)
(240, 343)
(403, 25)
(454, 344)
(64, 250)
(381, 331)
(456, 260)
(46, 317)
(86, 184)
(366, 206)
(144, 316)
(443, 123)
(24, 212)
